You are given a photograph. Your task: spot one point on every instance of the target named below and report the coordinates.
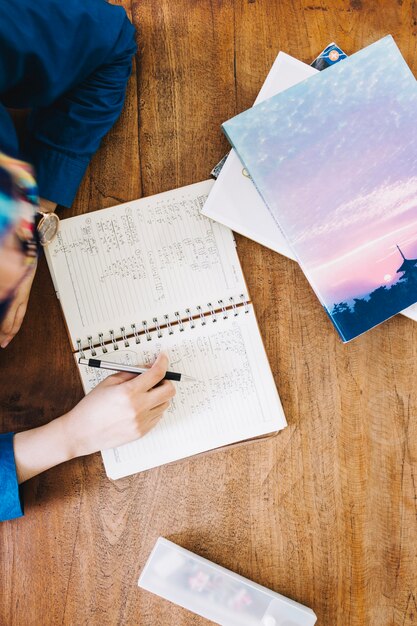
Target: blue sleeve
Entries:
(10, 502)
(64, 136)
(8, 137)
(69, 62)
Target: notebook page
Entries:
(234, 397)
(142, 259)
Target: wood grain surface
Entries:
(326, 512)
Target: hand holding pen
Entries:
(122, 408)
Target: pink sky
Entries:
(367, 267)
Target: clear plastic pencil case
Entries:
(217, 593)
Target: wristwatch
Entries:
(47, 226)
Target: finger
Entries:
(159, 409)
(154, 375)
(5, 340)
(8, 320)
(118, 378)
(151, 423)
(14, 317)
(20, 314)
(163, 393)
(6, 333)
(156, 414)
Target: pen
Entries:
(120, 367)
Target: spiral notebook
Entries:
(155, 274)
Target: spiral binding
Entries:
(168, 325)
(190, 318)
(136, 332)
(124, 337)
(91, 345)
(102, 344)
(179, 320)
(223, 308)
(146, 329)
(113, 340)
(244, 302)
(202, 317)
(80, 348)
(212, 312)
(157, 326)
(234, 307)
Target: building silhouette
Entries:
(378, 305)
(408, 268)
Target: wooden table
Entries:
(326, 512)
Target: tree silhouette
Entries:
(381, 303)
(377, 306)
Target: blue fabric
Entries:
(10, 503)
(68, 62)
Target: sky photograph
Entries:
(335, 159)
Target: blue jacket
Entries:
(68, 62)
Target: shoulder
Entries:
(46, 46)
(47, 18)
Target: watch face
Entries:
(48, 228)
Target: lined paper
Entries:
(143, 259)
(234, 398)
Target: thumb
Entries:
(155, 373)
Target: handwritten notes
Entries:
(130, 280)
(143, 259)
(233, 398)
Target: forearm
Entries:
(41, 448)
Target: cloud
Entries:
(382, 204)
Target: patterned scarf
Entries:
(19, 202)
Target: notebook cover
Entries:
(334, 159)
